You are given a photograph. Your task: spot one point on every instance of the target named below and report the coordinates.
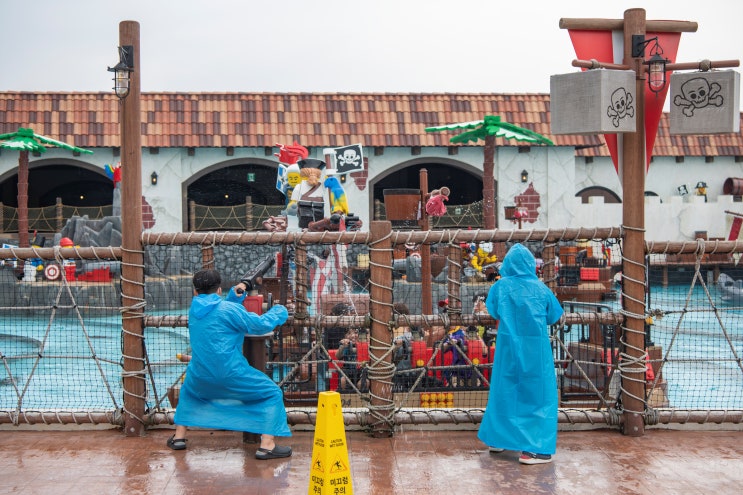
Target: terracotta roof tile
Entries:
(312, 119)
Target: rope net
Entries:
(61, 353)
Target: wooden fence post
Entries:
(453, 275)
(132, 258)
(191, 216)
(249, 213)
(380, 308)
(60, 214)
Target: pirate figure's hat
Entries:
(311, 163)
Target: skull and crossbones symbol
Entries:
(698, 93)
(349, 159)
(621, 106)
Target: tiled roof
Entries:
(90, 120)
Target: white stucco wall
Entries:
(554, 172)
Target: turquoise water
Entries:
(75, 370)
(700, 349)
(700, 366)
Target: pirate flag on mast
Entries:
(348, 159)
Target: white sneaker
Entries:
(530, 458)
(495, 450)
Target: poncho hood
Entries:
(519, 262)
(203, 304)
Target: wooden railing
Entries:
(49, 218)
(202, 218)
(245, 217)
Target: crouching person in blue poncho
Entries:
(221, 390)
(522, 405)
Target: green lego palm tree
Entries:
(25, 140)
(488, 129)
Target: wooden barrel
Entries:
(567, 254)
(402, 204)
(733, 186)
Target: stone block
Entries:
(593, 102)
(705, 102)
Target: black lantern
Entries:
(656, 72)
(122, 69)
(656, 64)
(153, 178)
(524, 176)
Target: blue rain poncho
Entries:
(221, 390)
(522, 405)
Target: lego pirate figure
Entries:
(456, 343)
(292, 179)
(482, 257)
(701, 189)
(311, 202)
(287, 178)
(288, 172)
(309, 198)
(319, 203)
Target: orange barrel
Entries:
(402, 204)
(733, 186)
(567, 254)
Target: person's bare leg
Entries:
(267, 442)
(180, 432)
(178, 440)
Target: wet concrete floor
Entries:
(411, 463)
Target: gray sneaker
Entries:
(531, 458)
(277, 452)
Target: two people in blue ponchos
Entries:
(522, 406)
(221, 390)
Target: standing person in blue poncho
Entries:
(221, 390)
(522, 406)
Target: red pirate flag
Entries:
(608, 47)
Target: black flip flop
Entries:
(177, 443)
(276, 453)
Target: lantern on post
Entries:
(656, 64)
(121, 71)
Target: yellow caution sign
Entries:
(330, 472)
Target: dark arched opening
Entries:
(229, 186)
(465, 187)
(76, 186)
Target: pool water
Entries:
(700, 349)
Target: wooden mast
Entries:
(132, 258)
